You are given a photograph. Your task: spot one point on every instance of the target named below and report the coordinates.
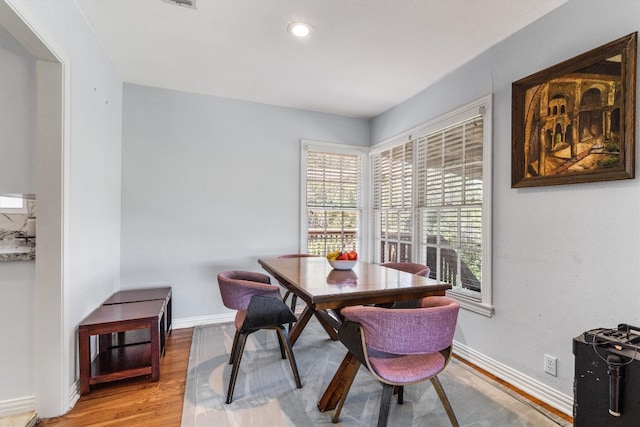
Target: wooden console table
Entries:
(124, 360)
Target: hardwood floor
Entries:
(136, 402)
(517, 390)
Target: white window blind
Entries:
(392, 176)
(333, 191)
(449, 202)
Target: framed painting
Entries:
(575, 122)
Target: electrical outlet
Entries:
(551, 365)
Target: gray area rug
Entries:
(265, 393)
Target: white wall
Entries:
(16, 315)
(95, 156)
(17, 175)
(211, 184)
(565, 258)
(17, 115)
(93, 100)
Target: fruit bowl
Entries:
(342, 265)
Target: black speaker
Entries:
(606, 384)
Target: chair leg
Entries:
(233, 347)
(400, 390)
(281, 342)
(237, 353)
(283, 338)
(345, 392)
(294, 300)
(385, 404)
(445, 401)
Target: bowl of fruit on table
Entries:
(342, 260)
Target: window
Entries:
(432, 201)
(332, 194)
(12, 205)
(392, 172)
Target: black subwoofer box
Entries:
(607, 378)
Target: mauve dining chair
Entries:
(401, 347)
(259, 305)
(409, 267)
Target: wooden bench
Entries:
(132, 327)
(148, 294)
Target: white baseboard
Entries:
(21, 405)
(535, 388)
(190, 322)
(74, 393)
(216, 319)
(28, 404)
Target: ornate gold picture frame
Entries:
(575, 122)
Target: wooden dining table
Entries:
(325, 291)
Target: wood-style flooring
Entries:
(141, 403)
(136, 402)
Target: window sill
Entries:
(471, 303)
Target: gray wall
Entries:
(565, 258)
(211, 184)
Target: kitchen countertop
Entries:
(17, 250)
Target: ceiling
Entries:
(362, 58)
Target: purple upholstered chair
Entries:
(259, 306)
(401, 347)
(409, 267)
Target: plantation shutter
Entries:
(449, 202)
(392, 172)
(333, 201)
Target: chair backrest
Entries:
(409, 267)
(426, 329)
(237, 288)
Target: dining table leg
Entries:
(300, 324)
(329, 323)
(340, 383)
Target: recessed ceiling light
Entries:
(300, 29)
